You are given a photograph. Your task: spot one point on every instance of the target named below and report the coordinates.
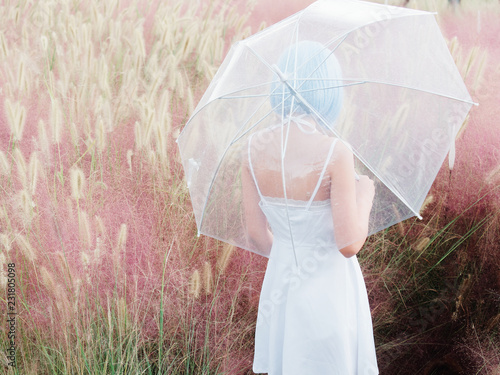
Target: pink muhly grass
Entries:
(107, 218)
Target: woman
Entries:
(306, 209)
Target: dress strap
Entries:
(251, 167)
(327, 161)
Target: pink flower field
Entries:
(101, 267)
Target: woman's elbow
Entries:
(348, 251)
(352, 250)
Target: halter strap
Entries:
(330, 152)
(251, 167)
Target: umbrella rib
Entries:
(300, 91)
(358, 82)
(416, 89)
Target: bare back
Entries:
(305, 157)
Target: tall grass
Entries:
(111, 276)
(94, 211)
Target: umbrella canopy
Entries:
(379, 78)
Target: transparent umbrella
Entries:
(379, 79)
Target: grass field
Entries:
(95, 217)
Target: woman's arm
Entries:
(256, 221)
(351, 202)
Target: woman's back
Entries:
(304, 160)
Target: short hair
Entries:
(314, 71)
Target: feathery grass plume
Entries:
(5, 243)
(16, 117)
(195, 284)
(64, 307)
(33, 172)
(85, 259)
(44, 42)
(4, 48)
(4, 217)
(180, 84)
(493, 176)
(207, 278)
(101, 230)
(84, 229)
(148, 119)
(138, 133)
(120, 248)
(43, 138)
(161, 142)
(26, 204)
(103, 75)
(428, 200)
(152, 158)
(98, 249)
(225, 256)
(63, 263)
(21, 75)
(75, 136)
(21, 166)
(399, 225)
(48, 280)
(155, 85)
(4, 164)
(422, 243)
(100, 134)
(56, 119)
(139, 44)
(77, 183)
(25, 247)
(130, 153)
(122, 238)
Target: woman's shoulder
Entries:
(340, 148)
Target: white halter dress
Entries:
(313, 319)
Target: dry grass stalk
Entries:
(84, 230)
(422, 243)
(48, 280)
(26, 205)
(4, 165)
(21, 167)
(207, 278)
(195, 284)
(5, 243)
(26, 248)
(16, 117)
(77, 183)
(493, 176)
(225, 256)
(428, 200)
(33, 168)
